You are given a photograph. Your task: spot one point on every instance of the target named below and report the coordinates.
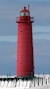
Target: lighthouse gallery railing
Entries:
(19, 20)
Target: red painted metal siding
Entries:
(25, 50)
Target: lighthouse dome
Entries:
(24, 12)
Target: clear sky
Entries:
(9, 10)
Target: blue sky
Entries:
(9, 10)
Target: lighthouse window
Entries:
(21, 31)
(21, 14)
(24, 14)
(20, 63)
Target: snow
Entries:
(38, 87)
(40, 82)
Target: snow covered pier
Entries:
(14, 82)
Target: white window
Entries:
(24, 14)
(21, 14)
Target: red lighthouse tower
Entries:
(25, 57)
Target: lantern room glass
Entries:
(24, 13)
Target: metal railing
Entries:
(24, 20)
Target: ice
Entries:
(2, 84)
(6, 84)
(40, 82)
(21, 83)
(18, 83)
(25, 83)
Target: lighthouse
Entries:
(25, 54)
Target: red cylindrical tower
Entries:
(25, 57)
